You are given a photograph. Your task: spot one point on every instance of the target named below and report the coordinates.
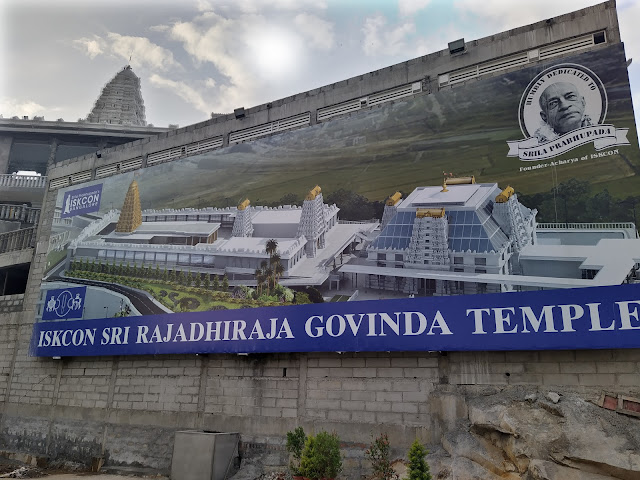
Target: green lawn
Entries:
(54, 257)
(170, 295)
(206, 302)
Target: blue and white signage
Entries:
(584, 318)
(64, 303)
(81, 200)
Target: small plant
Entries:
(308, 459)
(378, 453)
(295, 445)
(418, 468)
(321, 457)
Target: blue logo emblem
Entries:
(64, 303)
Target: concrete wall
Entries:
(5, 151)
(563, 268)
(127, 409)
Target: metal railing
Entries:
(24, 181)
(19, 213)
(586, 226)
(18, 240)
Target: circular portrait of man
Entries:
(560, 100)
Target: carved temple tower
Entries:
(120, 101)
(131, 214)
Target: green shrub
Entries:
(379, 455)
(418, 468)
(301, 298)
(295, 444)
(308, 458)
(321, 456)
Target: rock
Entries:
(465, 469)
(494, 417)
(553, 396)
(400, 468)
(508, 436)
(248, 471)
(24, 472)
(541, 470)
(531, 397)
(479, 450)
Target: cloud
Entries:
(226, 44)
(410, 7)
(318, 31)
(256, 6)
(210, 83)
(203, 6)
(10, 107)
(142, 51)
(159, 28)
(91, 46)
(381, 40)
(184, 91)
(629, 12)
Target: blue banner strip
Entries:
(583, 318)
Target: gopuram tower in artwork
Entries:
(120, 102)
(131, 214)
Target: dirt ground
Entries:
(86, 476)
(16, 470)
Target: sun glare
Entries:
(275, 53)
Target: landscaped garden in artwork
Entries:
(186, 291)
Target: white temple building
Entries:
(465, 237)
(221, 241)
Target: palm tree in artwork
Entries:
(275, 258)
(278, 270)
(269, 274)
(259, 280)
(272, 246)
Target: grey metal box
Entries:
(199, 455)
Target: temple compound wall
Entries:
(126, 409)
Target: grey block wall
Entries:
(126, 409)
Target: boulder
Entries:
(556, 437)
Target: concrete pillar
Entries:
(53, 148)
(5, 150)
(4, 282)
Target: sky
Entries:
(196, 57)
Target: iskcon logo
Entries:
(64, 303)
(82, 200)
(564, 107)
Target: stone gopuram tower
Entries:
(242, 226)
(120, 102)
(131, 214)
(313, 223)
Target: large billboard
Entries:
(516, 182)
